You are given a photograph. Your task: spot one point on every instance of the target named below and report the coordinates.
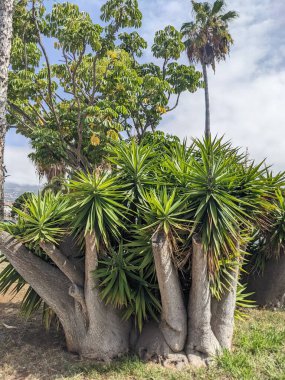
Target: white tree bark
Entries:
(6, 20)
(223, 311)
(91, 328)
(174, 316)
(107, 335)
(201, 339)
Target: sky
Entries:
(247, 97)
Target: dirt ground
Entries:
(21, 340)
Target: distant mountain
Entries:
(13, 190)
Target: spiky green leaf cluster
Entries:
(41, 218)
(125, 283)
(97, 203)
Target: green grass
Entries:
(259, 353)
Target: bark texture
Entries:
(207, 102)
(223, 312)
(91, 328)
(201, 339)
(173, 317)
(6, 18)
(50, 284)
(107, 336)
(269, 286)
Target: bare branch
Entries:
(50, 284)
(62, 262)
(47, 63)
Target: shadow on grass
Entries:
(27, 351)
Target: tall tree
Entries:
(6, 16)
(72, 101)
(207, 40)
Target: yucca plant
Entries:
(225, 197)
(176, 168)
(43, 217)
(268, 240)
(97, 200)
(165, 210)
(126, 284)
(135, 165)
(153, 234)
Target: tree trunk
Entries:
(201, 339)
(207, 102)
(50, 284)
(223, 311)
(91, 328)
(6, 18)
(107, 335)
(173, 317)
(269, 286)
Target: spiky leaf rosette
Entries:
(126, 285)
(226, 193)
(97, 203)
(135, 164)
(43, 217)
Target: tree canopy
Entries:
(207, 38)
(93, 88)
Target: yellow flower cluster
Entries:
(95, 140)
(161, 109)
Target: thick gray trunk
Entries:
(107, 335)
(91, 329)
(201, 339)
(207, 102)
(173, 317)
(223, 311)
(6, 18)
(96, 331)
(50, 284)
(269, 286)
(152, 346)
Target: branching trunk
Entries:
(92, 329)
(223, 311)
(50, 284)
(97, 331)
(207, 102)
(6, 17)
(201, 339)
(173, 317)
(64, 264)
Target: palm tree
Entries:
(6, 17)
(208, 40)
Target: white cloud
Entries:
(20, 169)
(247, 92)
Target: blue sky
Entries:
(246, 93)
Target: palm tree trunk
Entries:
(207, 102)
(6, 18)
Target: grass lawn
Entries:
(28, 352)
